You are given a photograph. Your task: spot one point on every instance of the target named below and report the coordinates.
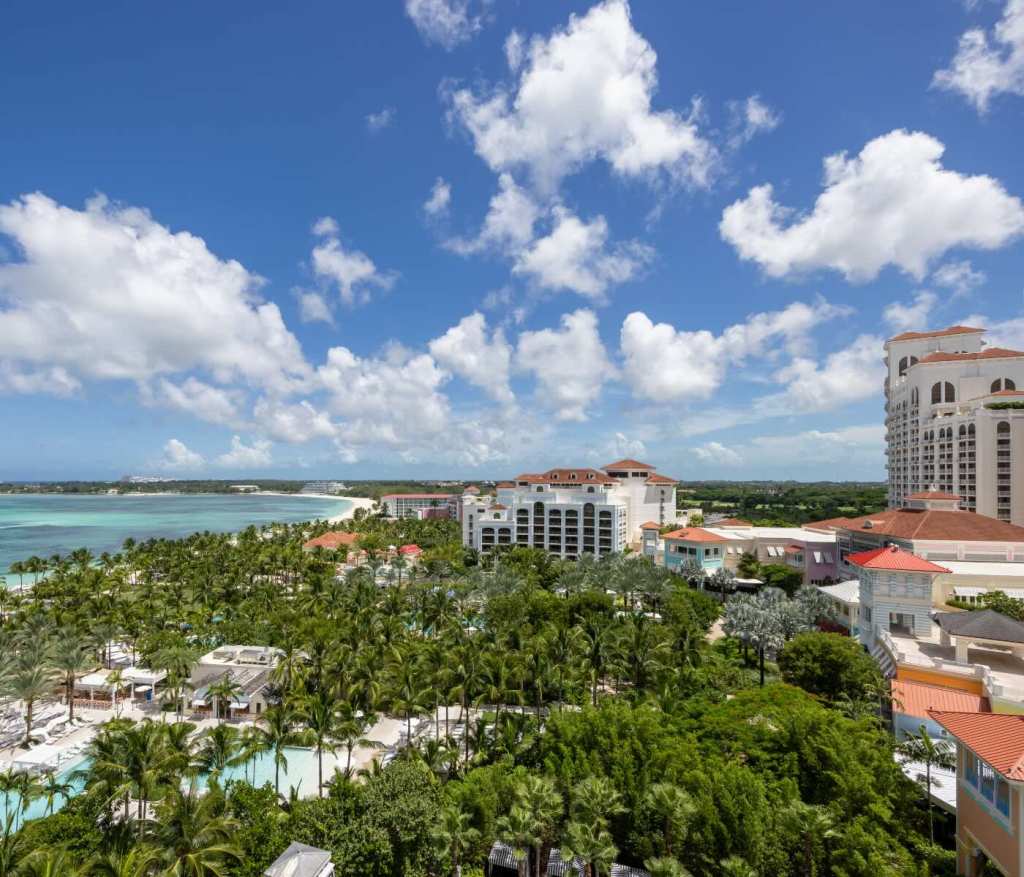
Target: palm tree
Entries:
(137, 862)
(194, 837)
(53, 788)
(663, 866)
(594, 800)
(219, 746)
(48, 863)
(251, 744)
(938, 753)
(30, 678)
(539, 798)
(454, 836)
(224, 691)
(519, 830)
(590, 842)
(814, 824)
(278, 734)
(72, 655)
(737, 866)
(597, 646)
(320, 713)
(675, 808)
(14, 846)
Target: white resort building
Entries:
(955, 421)
(571, 512)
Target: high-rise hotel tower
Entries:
(955, 421)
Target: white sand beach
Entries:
(358, 502)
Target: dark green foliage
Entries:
(831, 665)
(777, 575)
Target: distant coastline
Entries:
(44, 524)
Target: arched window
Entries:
(936, 393)
(970, 429)
(913, 396)
(1003, 428)
(950, 392)
(538, 508)
(590, 489)
(903, 366)
(1003, 384)
(963, 431)
(913, 360)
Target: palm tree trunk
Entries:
(71, 698)
(928, 791)
(760, 653)
(320, 771)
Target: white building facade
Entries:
(571, 512)
(955, 421)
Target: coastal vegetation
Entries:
(575, 706)
(784, 503)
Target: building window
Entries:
(1003, 384)
(988, 782)
(943, 392)
(971, 768)
(1003, 797)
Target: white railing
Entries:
(992, 686)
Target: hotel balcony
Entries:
(999, 671)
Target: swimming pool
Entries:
(300, 773)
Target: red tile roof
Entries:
(332, 540)
(695, 534)
(997, 738)
(828, 524)
(566, 476)
(733, 522)
(892, 557)
(917, 698)
(410, 549)
(940, 333)
(504, 484)
(1007, 393)
(628, 464)
(655, 478)
(988, 353)
(932, 524)
(794, 549)
(650, 525)
(933, 494)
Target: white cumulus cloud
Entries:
(380, 120)
(959, 277)
(351, 271)
(893, 204)
(440, 198)
(108, 293)
(717, 454)
(192, 396)
(444, 22)
(575, 256)
(570, 364)
(848, 375)
(750, 118)
(242, 456)
(482, 360)
(663, 363)
(911, 317)
(584, 93)
(986, 66)
(178, 456)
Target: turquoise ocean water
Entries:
(48, 524)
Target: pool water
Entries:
(301, 773)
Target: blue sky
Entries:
(438, 238)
